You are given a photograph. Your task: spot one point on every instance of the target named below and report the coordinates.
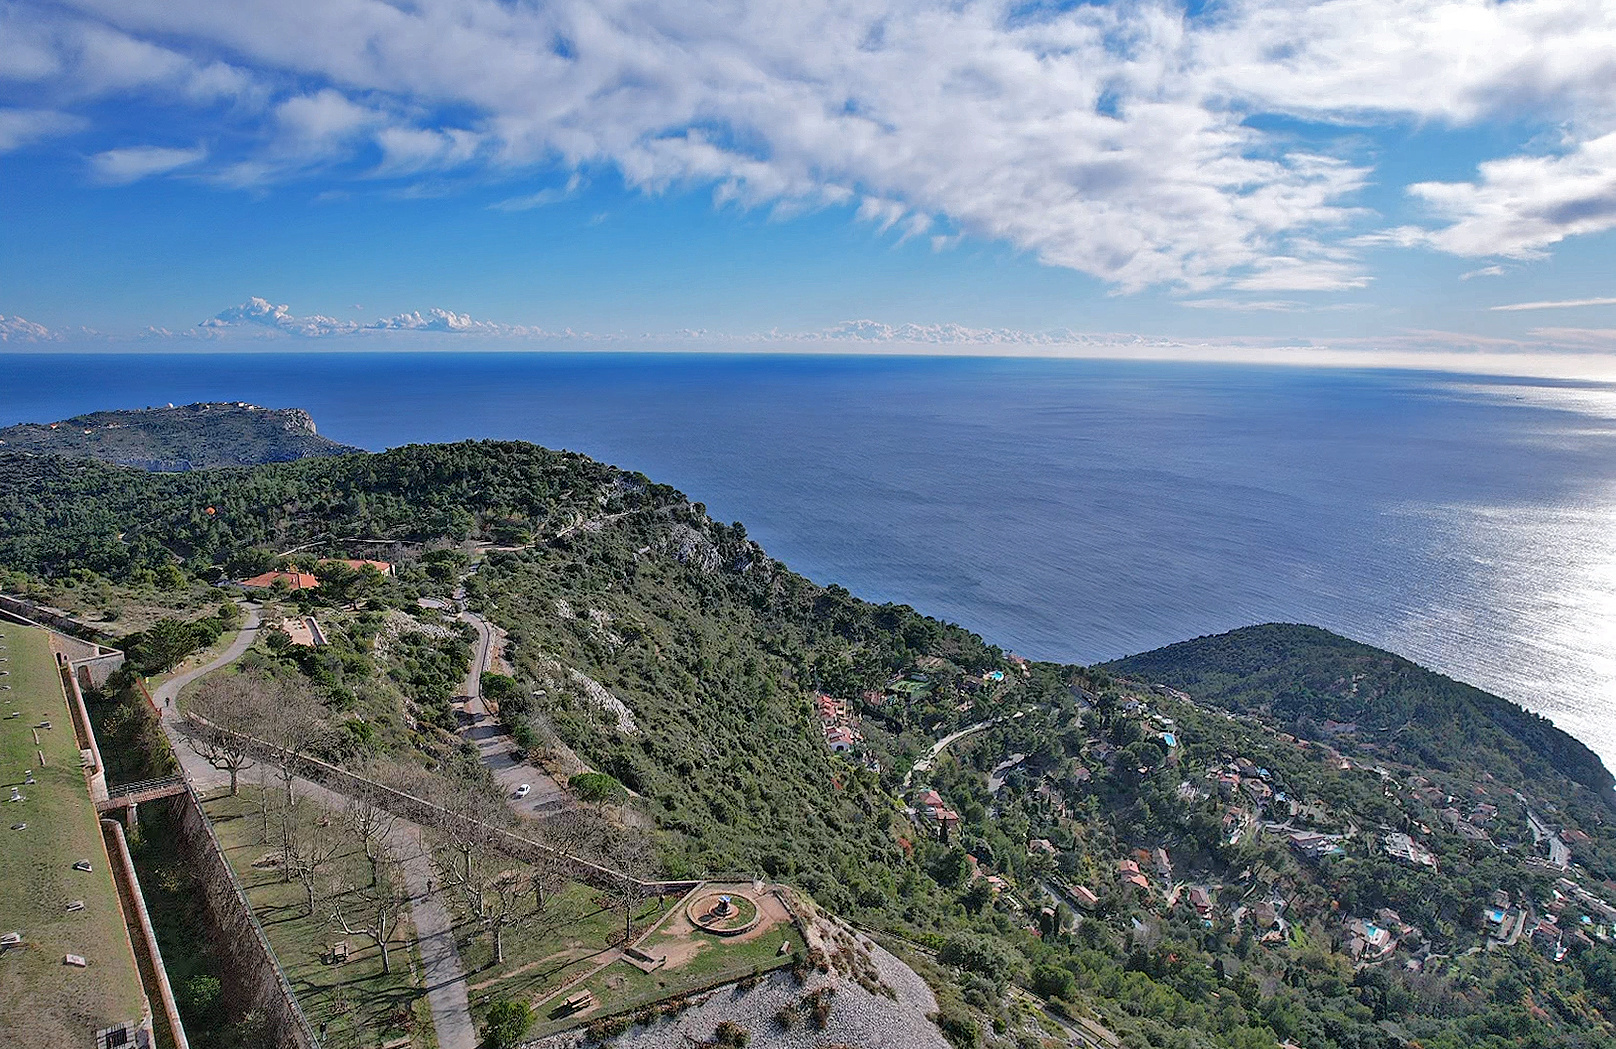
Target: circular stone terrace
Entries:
(727, 912)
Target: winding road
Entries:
(169, 691)
(495, 747)
(924, 764)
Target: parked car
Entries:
(523, 790)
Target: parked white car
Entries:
(523, 790)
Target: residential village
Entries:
(1165, 874)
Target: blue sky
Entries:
(1364, 176)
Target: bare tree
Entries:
(371, 825)
(373, 910)
(224, 715)
(507, 904)
(266, 804)
(291, 722)
(309, 845)
(629, 854)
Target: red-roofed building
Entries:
(840, 738)
(292, 581)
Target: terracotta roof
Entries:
(294, 580)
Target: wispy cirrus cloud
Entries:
(22, 127)
(1118, 140)
(1560, 304)
(119, 167)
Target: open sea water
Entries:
(1071, 510)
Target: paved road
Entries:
(169, 691)
(924, 764)
(496, 748)
(444, 978)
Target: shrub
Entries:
(978, 954)
(1051, 981)
(202, 991)
(818, 1005)
(508, 1020)
(731, 1033)
(596, 786)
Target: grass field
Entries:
(620, 986)
(355, 1003)
(42, 1001)
(538, 959)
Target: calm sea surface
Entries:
(1067, 510)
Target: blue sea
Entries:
(1071, 510)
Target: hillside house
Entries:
(291, 580)
(1401, 847)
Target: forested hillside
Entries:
(1355, 858)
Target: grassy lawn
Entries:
(46, 1002)
(620, 986)
(356, 1003)
(540, 958)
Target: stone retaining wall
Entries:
(237, 933)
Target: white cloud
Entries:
(1245, 305)
(1485, 271)
(1520, 205)
(1563, 304)
(260, 316)
(20, 127)
(1110, 139)
(15, 329)
(133, 163)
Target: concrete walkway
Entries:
(169, 691)
(444, 979)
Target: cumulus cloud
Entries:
(1113, 139)
(15, 329)
(1520, 205)
(260, 316)
(121, 166)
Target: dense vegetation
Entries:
(1325, 687)
(192, 437)
(679, 663)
